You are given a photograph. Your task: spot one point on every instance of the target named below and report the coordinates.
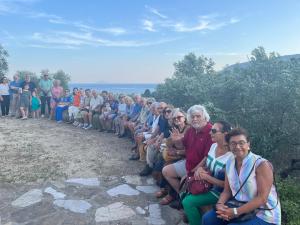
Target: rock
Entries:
(54, 193)
(92, 182)
(77, 206)
(139, 210)
(123, 189)
(155, 215)
(115, 211)
(133, 179)
(147, 189)
(29, 198)
(150, 181)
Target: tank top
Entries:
(249, 190)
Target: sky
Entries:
(138, 41)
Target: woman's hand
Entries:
(201, 174)
(223, 212)
(175, 134)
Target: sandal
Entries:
(159, 194)
(166, 200)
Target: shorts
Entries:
(180, 168)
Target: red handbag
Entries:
(196, 187)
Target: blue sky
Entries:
(123, 41)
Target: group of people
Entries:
(173, 144)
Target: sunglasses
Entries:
(168, 111)
(214, 131)
(177, 117)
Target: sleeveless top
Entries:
(249, 190)
(216, 165)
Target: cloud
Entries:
(234, 20)
(76, 39)
(156, 12)
(148, 25)
(180, 27)
(111, 30)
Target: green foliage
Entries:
(263, 96)
(63, 77)
(3, 61)
(192, 78)
(290, 201)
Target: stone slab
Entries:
(55, 194)
(76, 206)
(123, 189)
(112, 212)
(148, 189)
(29, 198)
(92, 182)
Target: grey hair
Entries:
(195, 109)
(155, 105)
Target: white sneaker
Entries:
(88, 127)
(80, 125)
(75, 123)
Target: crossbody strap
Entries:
(246, 178)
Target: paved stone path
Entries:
(126, 200)
(43, 182)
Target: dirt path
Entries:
(36, 154)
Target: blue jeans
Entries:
(210, 218)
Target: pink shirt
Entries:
(57, 92)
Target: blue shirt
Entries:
(14, 84)
(164, 126)
(136, 110)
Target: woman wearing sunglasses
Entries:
(215, 162)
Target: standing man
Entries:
(14, 90)
(32, 86)
(45, 86)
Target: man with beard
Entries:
(196, 142)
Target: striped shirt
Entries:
(249, 190)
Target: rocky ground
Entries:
(54, 174)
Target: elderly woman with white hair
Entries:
(196, 142)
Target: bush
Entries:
(290, 201)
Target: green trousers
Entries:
(192, 204)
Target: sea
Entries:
(116, 88)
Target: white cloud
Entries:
(148, 25)
(234, 20)
(156, 12)
(180, 27)
(76, 39)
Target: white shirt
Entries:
(4, 89)
(96, 102)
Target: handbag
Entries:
(196, 187)
(233, 203)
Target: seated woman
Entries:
(124, 118)
(171, 153)
(215, 162)
(248, 178)
(62, 105)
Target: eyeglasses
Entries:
(240, 144)
(149, 103)
(214, 131)
(177, 117)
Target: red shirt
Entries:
(197, 145)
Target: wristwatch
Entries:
(235, 213)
